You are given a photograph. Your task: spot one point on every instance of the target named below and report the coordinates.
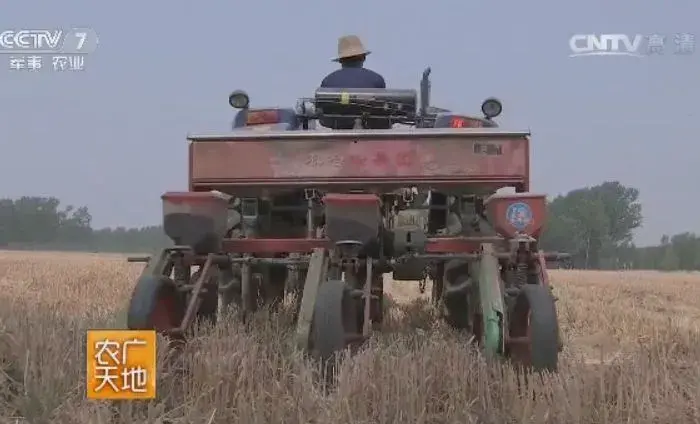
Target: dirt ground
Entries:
(632, 355)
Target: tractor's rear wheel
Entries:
(334, 326)
(455, 294)
(534, 329)
(155, 305)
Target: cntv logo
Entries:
(605, 45)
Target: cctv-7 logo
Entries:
(82, 36)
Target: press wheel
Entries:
(334, 326)
(534, 329)
(155, 305)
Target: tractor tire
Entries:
(455, 295)
(155, 305)
(334, 326)
(534, 320)
(334, 318)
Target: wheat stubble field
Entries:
(632, 355)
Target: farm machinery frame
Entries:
(278, 208)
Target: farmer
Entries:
(352, 74)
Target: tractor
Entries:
(316, 202)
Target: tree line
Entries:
(41, 223)
(594, 224)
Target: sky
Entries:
(113, 136)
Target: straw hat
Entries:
(350, 46)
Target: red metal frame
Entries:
(353, 198)
(522, 183)
(306, 245)
(340, 180)
(192, 197)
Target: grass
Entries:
(632, 355)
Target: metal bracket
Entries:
(368, 298)
(314, 277)
(195, 298)
(408, 195)
(247, 295)
(423, 281)
(311, 194)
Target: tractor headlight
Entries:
(491, 107)
(239, 99)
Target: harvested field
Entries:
(632, 355)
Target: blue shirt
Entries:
(353, 78)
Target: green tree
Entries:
(669, 261)
(37, 219)
(75, 225)
(41, 223)
(622, 208)
(686, 247)
(594, 224)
